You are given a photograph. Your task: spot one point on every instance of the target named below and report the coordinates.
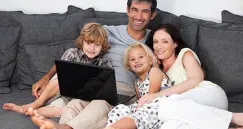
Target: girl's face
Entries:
(138, 61)
(163, 45)
(91, 49)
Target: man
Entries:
(140, 13)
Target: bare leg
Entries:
(13, 107)
(109, 127)
(48, 111)
(124, 123)
(237, 119)
(51, 89)
(44, 123)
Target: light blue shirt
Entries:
(119, 40)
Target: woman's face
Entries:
(163, 45)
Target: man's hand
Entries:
(39, 86)
(147, 98)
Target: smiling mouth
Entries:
(160, 52)
(92, 53)
(138, 65)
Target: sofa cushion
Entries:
(48, 53)
(228, 17)
(161, 17)
(103, 21)
(14, 78)
(44, 28)
(189, 31)
(9, 35)
(99, 14)
(220, 50)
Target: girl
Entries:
(140, 59)
(91, 45)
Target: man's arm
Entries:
(40, 85)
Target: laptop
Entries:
(88, 82)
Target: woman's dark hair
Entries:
(172, 31)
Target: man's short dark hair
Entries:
(153, 3)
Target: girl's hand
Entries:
(147, 98)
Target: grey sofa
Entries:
(29, 44)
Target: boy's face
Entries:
(139, 15)
(91, 49)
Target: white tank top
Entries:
(177, 73)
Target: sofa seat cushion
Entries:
(9, 35)
(220, 50)
(41, 29)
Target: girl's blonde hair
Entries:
(149, 52)
(93, 33)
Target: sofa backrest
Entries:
(219, 48)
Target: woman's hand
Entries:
(147, 98)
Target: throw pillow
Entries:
(9, 35)
(102, 21)
(99, 14)
(189, 31)
(220, 50)
(164, 17)
(228, 17)
(42, 57)
(14, 78)
(161, 16)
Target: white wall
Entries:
(205, 9)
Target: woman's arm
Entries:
(194, 72)
(194, 76)
(155, 78)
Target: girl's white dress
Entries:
(145, 117)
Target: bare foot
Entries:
(13, 107)
(34, 105)
(41, 121)
(237, 119)
(45, 123)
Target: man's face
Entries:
(139, 15)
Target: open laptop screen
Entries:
(86, 82)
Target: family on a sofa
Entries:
(169, 81)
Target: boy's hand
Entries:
(39, 86)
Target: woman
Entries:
(183, 68)
(198, 98)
